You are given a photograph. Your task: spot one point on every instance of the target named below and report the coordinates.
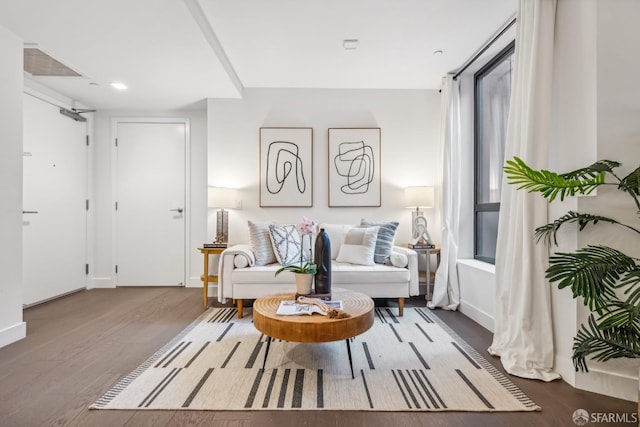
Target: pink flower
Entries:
(307, 226)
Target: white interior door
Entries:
(54, 202)
(150, 212)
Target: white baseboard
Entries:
(477, 315)
(608, 383)
(13, 333)
(101, 282)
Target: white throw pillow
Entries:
(336, 234)
(359, 246)
(240, 261)
(399, 259)
(261, 243)
(287, 244)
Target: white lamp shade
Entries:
(222, 198)
(419, 197)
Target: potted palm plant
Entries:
(607, 279)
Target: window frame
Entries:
(493, 206)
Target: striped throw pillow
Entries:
(261, 243)
(384, 242)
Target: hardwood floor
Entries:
(78, 346)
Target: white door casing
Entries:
(151, 197)
(54, 202)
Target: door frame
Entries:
(115, 121)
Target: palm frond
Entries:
(591, 273)
(631, 279)
(604, 344)
(631, 182)
(619, 314)
(551, 184)
(592, 170)
(549, 231)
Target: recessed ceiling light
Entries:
(350, 44)
(437, 52)
(119, 86)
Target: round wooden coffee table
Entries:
(313, 328)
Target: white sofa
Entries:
(239, 279)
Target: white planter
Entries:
(303, 283)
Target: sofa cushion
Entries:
(336, 233)
(261, 243)
(358, 246)
(384, 242)
(341, 273)
(287, 244)
(264, 274)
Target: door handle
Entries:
(29, 212)
(179, 210)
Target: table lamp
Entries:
(417, 198)
(222, 198)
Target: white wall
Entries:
(103, 265)
(618, 138)
(410, 122)
(573, 145)
(12, 328)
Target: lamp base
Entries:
(222, 226)
(421, 235)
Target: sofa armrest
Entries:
(227, 264)
(412, 265)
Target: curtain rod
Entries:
(484, 48)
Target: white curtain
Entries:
(523, 328)
(446, 291)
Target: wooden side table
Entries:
(206, 277)
(428, 252)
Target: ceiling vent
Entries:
(38, 63)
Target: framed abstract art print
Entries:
(286, 167)
(354, 167)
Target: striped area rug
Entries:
(409, 363)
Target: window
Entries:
(492, 95)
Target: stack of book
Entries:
(421, 246)
(214, 245)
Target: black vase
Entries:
(322, 259)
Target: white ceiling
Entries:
(175, 53)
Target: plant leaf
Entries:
(631, 182)
(551, 184)
(592, 170)
(620, 314)
(591, 273)
(604, 344)
(549, 231)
